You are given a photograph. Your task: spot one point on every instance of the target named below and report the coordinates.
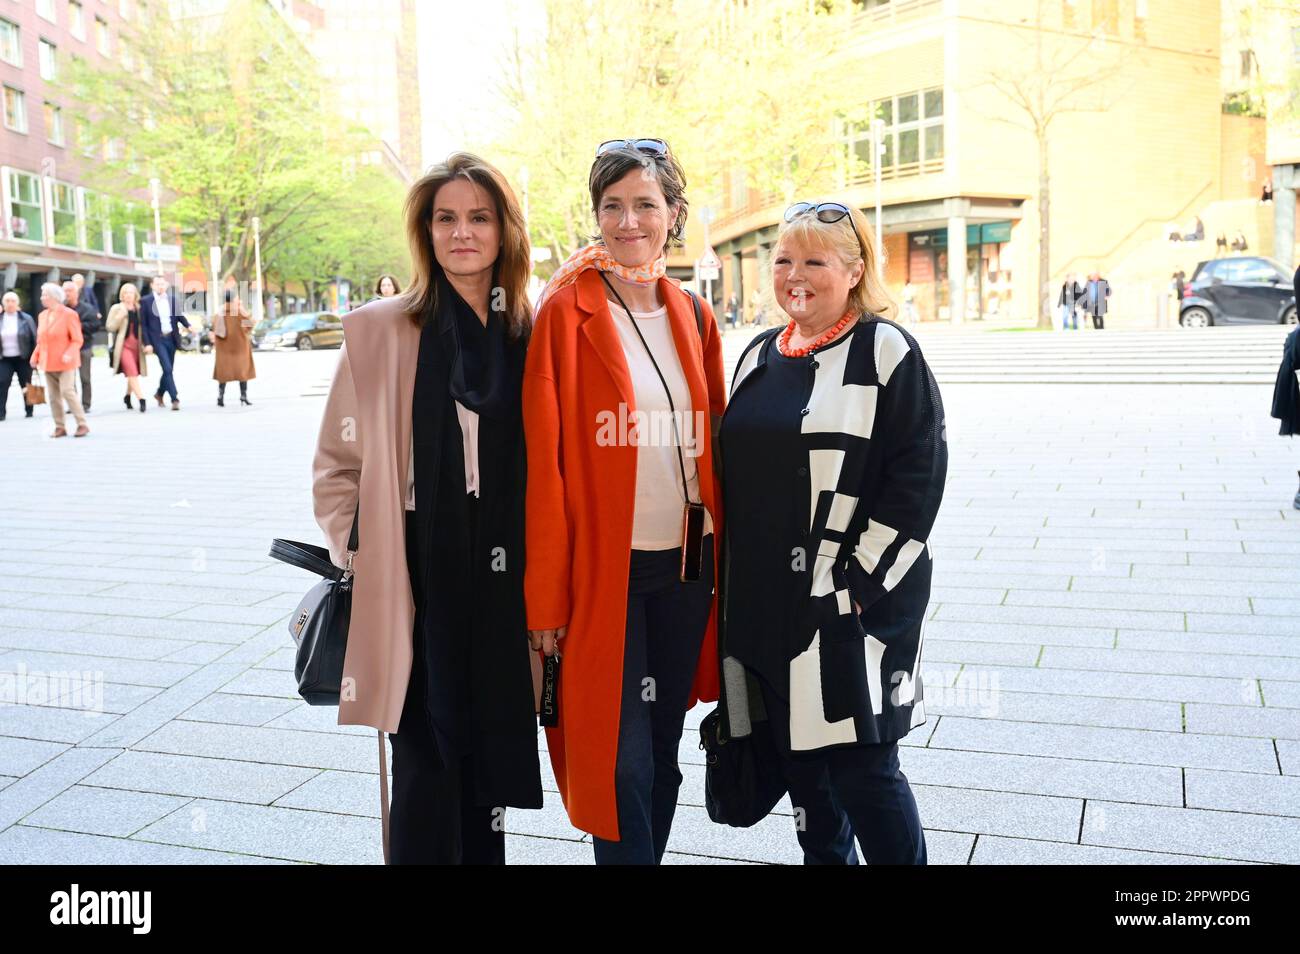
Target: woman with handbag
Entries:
(58, 356)
(421, 444)
(127, 354)
(623, 505)
(234, 348)
(828, 564)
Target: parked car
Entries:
(1241, 289)
(305, 331)
(200, 330)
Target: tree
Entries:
(1068, 75)
(232, 121)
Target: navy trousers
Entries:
(166, 355)
(666, 619)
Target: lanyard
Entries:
(681, 460)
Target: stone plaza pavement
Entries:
(1111, 663)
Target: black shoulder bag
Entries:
(319, 626)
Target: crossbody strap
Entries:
(383, 792)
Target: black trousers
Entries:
(8, 368)
(1098, 321)
(434, 819)
(847, 793)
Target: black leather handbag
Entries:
(319, 626)
(742, 777)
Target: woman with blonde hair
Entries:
(419, 487)
(123, 323)
(828, 559)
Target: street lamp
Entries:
(257, 267)
(155, 187)
(878, 151)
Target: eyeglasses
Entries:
(825, 211)
(655, 147)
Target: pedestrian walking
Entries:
(386, 287)
(162, 324)
(233, 343)
(1067, 302)
(1095, 298)
(58, 356)
(17, 342)
(733, 311)
(125, 323)
(90, 323)
(1286, 390)
(909, 304)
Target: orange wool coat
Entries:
(580, 500)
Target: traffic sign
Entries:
(710, 258)
(161, 253)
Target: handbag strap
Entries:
(383, 792)
(699, 316)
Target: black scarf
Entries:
(479, 373)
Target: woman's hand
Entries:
(857, 607)
(547, 640)
(148, 349)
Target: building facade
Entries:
(960, 94)
(52, 223)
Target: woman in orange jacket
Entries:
(58, 356)
(623, 505)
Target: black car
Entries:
(1238, 290)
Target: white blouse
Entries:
(469, 443)
(657, 517)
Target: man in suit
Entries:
(17, 342)
(90, 324)
(86, 293)
(1095, 295)
(161, 320)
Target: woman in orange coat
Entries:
(58, 356)
(623, 505)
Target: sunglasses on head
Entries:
(655, 147)
(825, 211)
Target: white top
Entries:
(657, 519)
(469, 444)
(9, 335)
(164, 306)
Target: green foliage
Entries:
(236, 123)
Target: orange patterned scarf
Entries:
(599, 257)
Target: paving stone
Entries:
(103, 811)
(1213, 834)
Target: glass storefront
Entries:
(988, 275)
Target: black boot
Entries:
(243, 394)
(141, 405)
(126, 399)
(1296, 503)
(221, 394)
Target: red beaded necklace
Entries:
(783, 340)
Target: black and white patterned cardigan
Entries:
(877, 461)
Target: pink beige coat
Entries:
(364, 447)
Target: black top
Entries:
(765, 471)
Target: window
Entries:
(120, 216)
(11, 49)
(76, 19)
(97, 221)
(101, 35)
(1070, 14)
(911, 138)
(64, 207)
(85, 139)
(54, 124)
(26, 207)
(1251, 270)
(1105, 16)
(15, 110)
(124, 54)
(49, 64)
(46, 9)
(126, 9)
(1140, 19)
